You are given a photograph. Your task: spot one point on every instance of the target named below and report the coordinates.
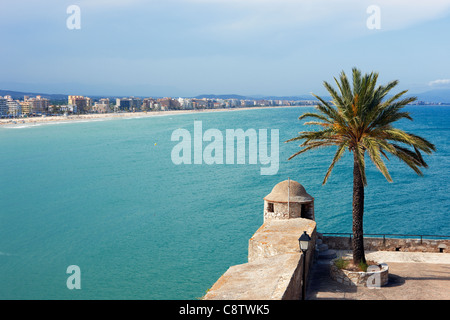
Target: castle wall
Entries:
(280, 210)
(274, 270)
(390, 244)
(284, 211)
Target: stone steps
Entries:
(323, 251)
(327, 254)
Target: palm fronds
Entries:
(360, 118)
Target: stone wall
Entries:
(390, 244)
(282, 210)
(274, 270)
(375, 277)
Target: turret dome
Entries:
(297, 193)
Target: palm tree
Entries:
(360, 118)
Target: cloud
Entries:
(308, 21)
(250, 16)
(398, 14)
(106, 4)
(439, 82)
(395, 14)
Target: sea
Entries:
(107, 197)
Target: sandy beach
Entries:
(124, 115)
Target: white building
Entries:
(14, 108)
(185, 103)
(3, 107)
(69, 108)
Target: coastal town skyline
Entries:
(37, 105)
(77, 104)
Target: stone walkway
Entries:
(412, 276)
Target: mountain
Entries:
(432, 96)
(256, 97)
(222, 96)
(19, 95)
(437, 95)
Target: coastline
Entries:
(123, 115)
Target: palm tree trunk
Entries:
(358, 212)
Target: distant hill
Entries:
(19, 95)
(222, 96)
(438, 95)
(259, 97)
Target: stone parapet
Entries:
(275, 264)
(390, 244)
(273, 278)
(279, 236)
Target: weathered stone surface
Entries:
(279, 236)
(275, 264)
(275, 267)
(411, 277)
(376, 278)
(263, 279)
(390, 244)
(287, 200)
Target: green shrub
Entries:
(363, 266)
(341, 263)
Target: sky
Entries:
(247, 47)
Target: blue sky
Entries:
(192, 47)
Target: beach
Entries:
(124, 115)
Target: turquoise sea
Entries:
(105, 196)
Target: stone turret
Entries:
(276, 266)
(288, 200)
